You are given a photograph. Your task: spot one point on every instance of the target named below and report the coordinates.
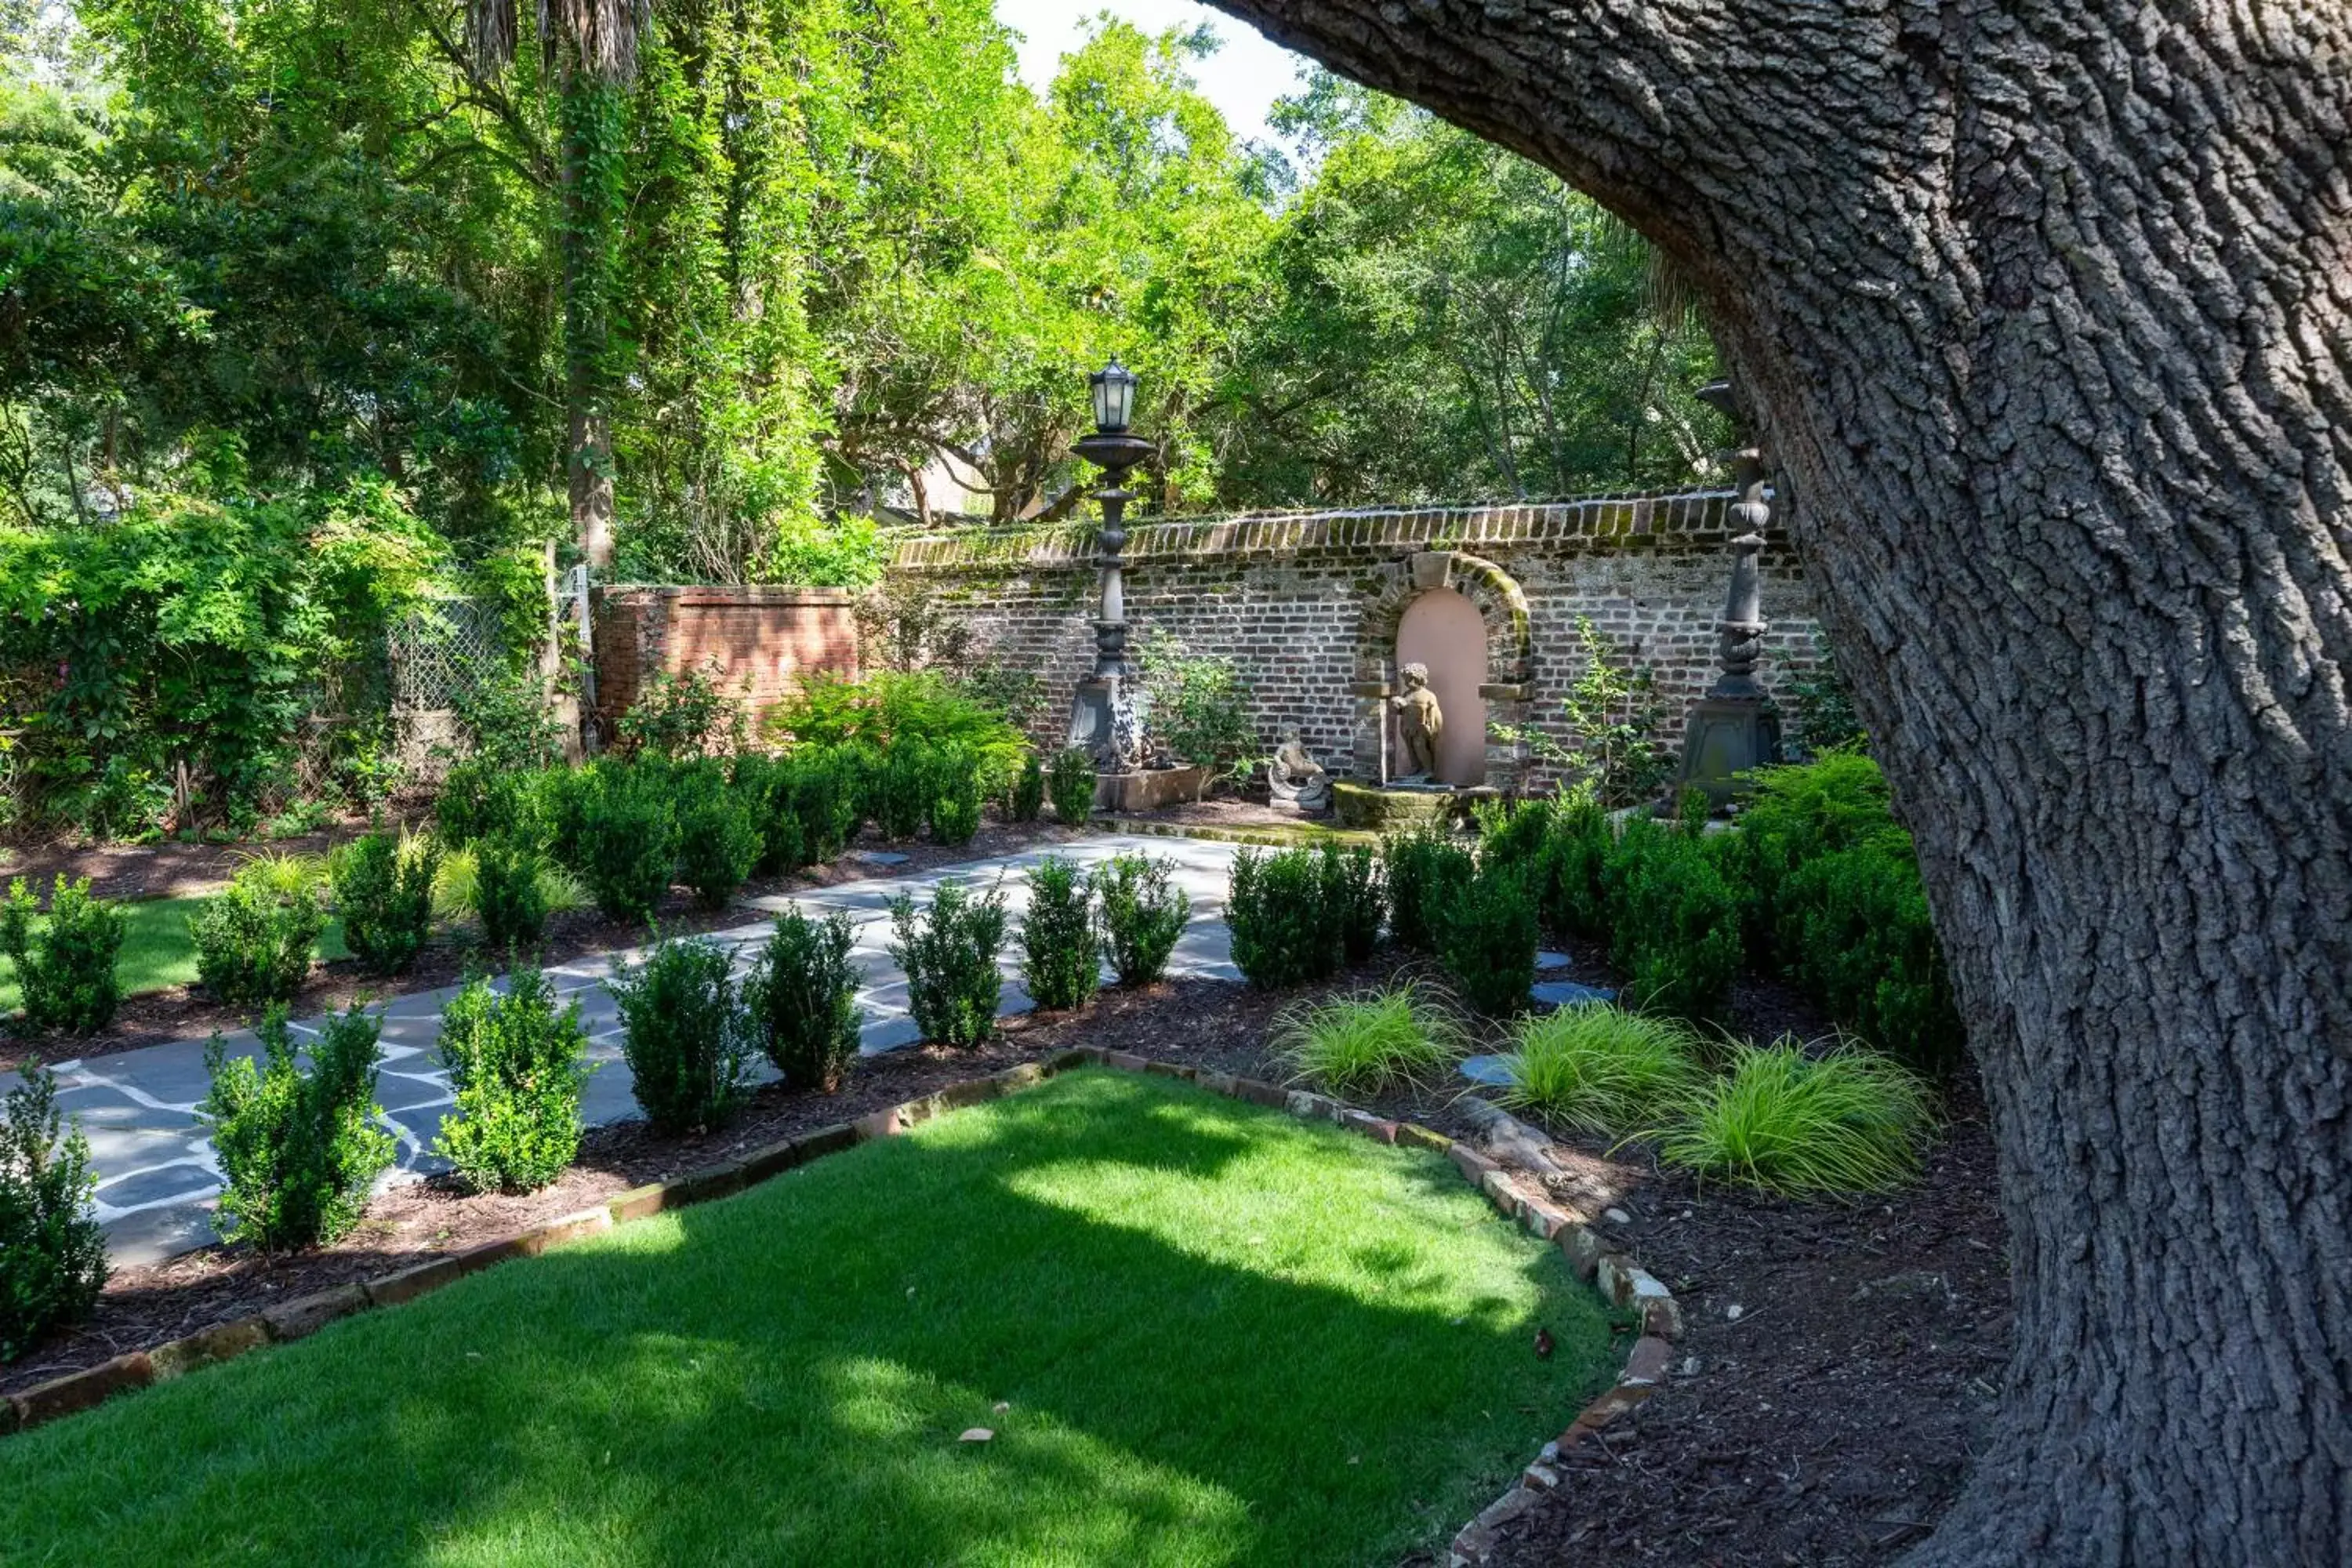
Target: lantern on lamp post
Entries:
(1104, 720)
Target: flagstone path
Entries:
(158, 1179)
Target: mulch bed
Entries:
(186, 1012)
(1841, 1365)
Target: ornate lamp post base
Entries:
(1735, 728)
(1104, 720)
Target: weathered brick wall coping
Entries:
(1622, 1281)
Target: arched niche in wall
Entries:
(1508, 665)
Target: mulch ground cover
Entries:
(186, 1012)
(1841, 1361)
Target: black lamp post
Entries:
(1735, 726)
(1103, 718)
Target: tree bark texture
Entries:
(2045, 309)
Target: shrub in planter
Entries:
(518, 1067)
(1489, 939)
(254, 938)
(688, 1047)
(1855, 925)
(1062, 957)
(383, 892)
(508, 893)
(719, 841)
(298, 1150)
(1027, 800)
(1674, 922)
(955, 800)
(1284, 931)
(1070, 785)
(1370, 1041)
(1143, 914)
(903, 788)
(627, 839)
(1358, 898)
(1425, 869)
(1790, 1121)
(949, 953)
(52, 1252)
(65, 969)
(801, 999)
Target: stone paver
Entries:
(158, 1179)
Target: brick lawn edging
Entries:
(1620, 1280)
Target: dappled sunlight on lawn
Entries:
(1220, 1337)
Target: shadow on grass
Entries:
(1220, 1337)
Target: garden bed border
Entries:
(1623, 1282)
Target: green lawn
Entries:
(156, 952)
(1224, 1337)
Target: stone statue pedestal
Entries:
(1725, 736)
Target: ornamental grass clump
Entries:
(1061, 961)
(801, 1000)
(1372, 1040)
(65, 966)
(1143, 915)
(52, 1252)
(254, 938)
(1285, 932)
(688, 1048)
(518, 1067)
(949, 951)
(384, 893)
(1488, 939)
(299, 1150)
(1070, 785)
(1603, 1071)
(1785, 1121)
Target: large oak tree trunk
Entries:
(2045, 307)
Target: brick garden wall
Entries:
(1291, 599)
(762, 639)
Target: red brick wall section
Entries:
(764, 639)
(1283, 595)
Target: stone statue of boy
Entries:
(1420, 725)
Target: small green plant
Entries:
(253, 939)
(1674, 921)
(949, 953)
(52, 1252)
(1199, 705)
(1061, 956)
(1357, 896)
(383, 892)
(1143, 915)
(478, 801)
(517, 1067)
(510, 893)
(1284, 933)
(904, 786)
(688, 1050)
(298, 1150)
(827, 786)
(1489, 939)
(1070, 785)
(802, 1000)
(1787, 1121)
(1571, 862)
(685, 714)
(1824, 702)
(65, 967)
(626, 839)
(1425, 870)
(719, 838)
(955, 797)
(1370, 1041)
(1855, 923)
(764, 785)
(1603, 1071)
(1613, 718)
(1027, 800)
